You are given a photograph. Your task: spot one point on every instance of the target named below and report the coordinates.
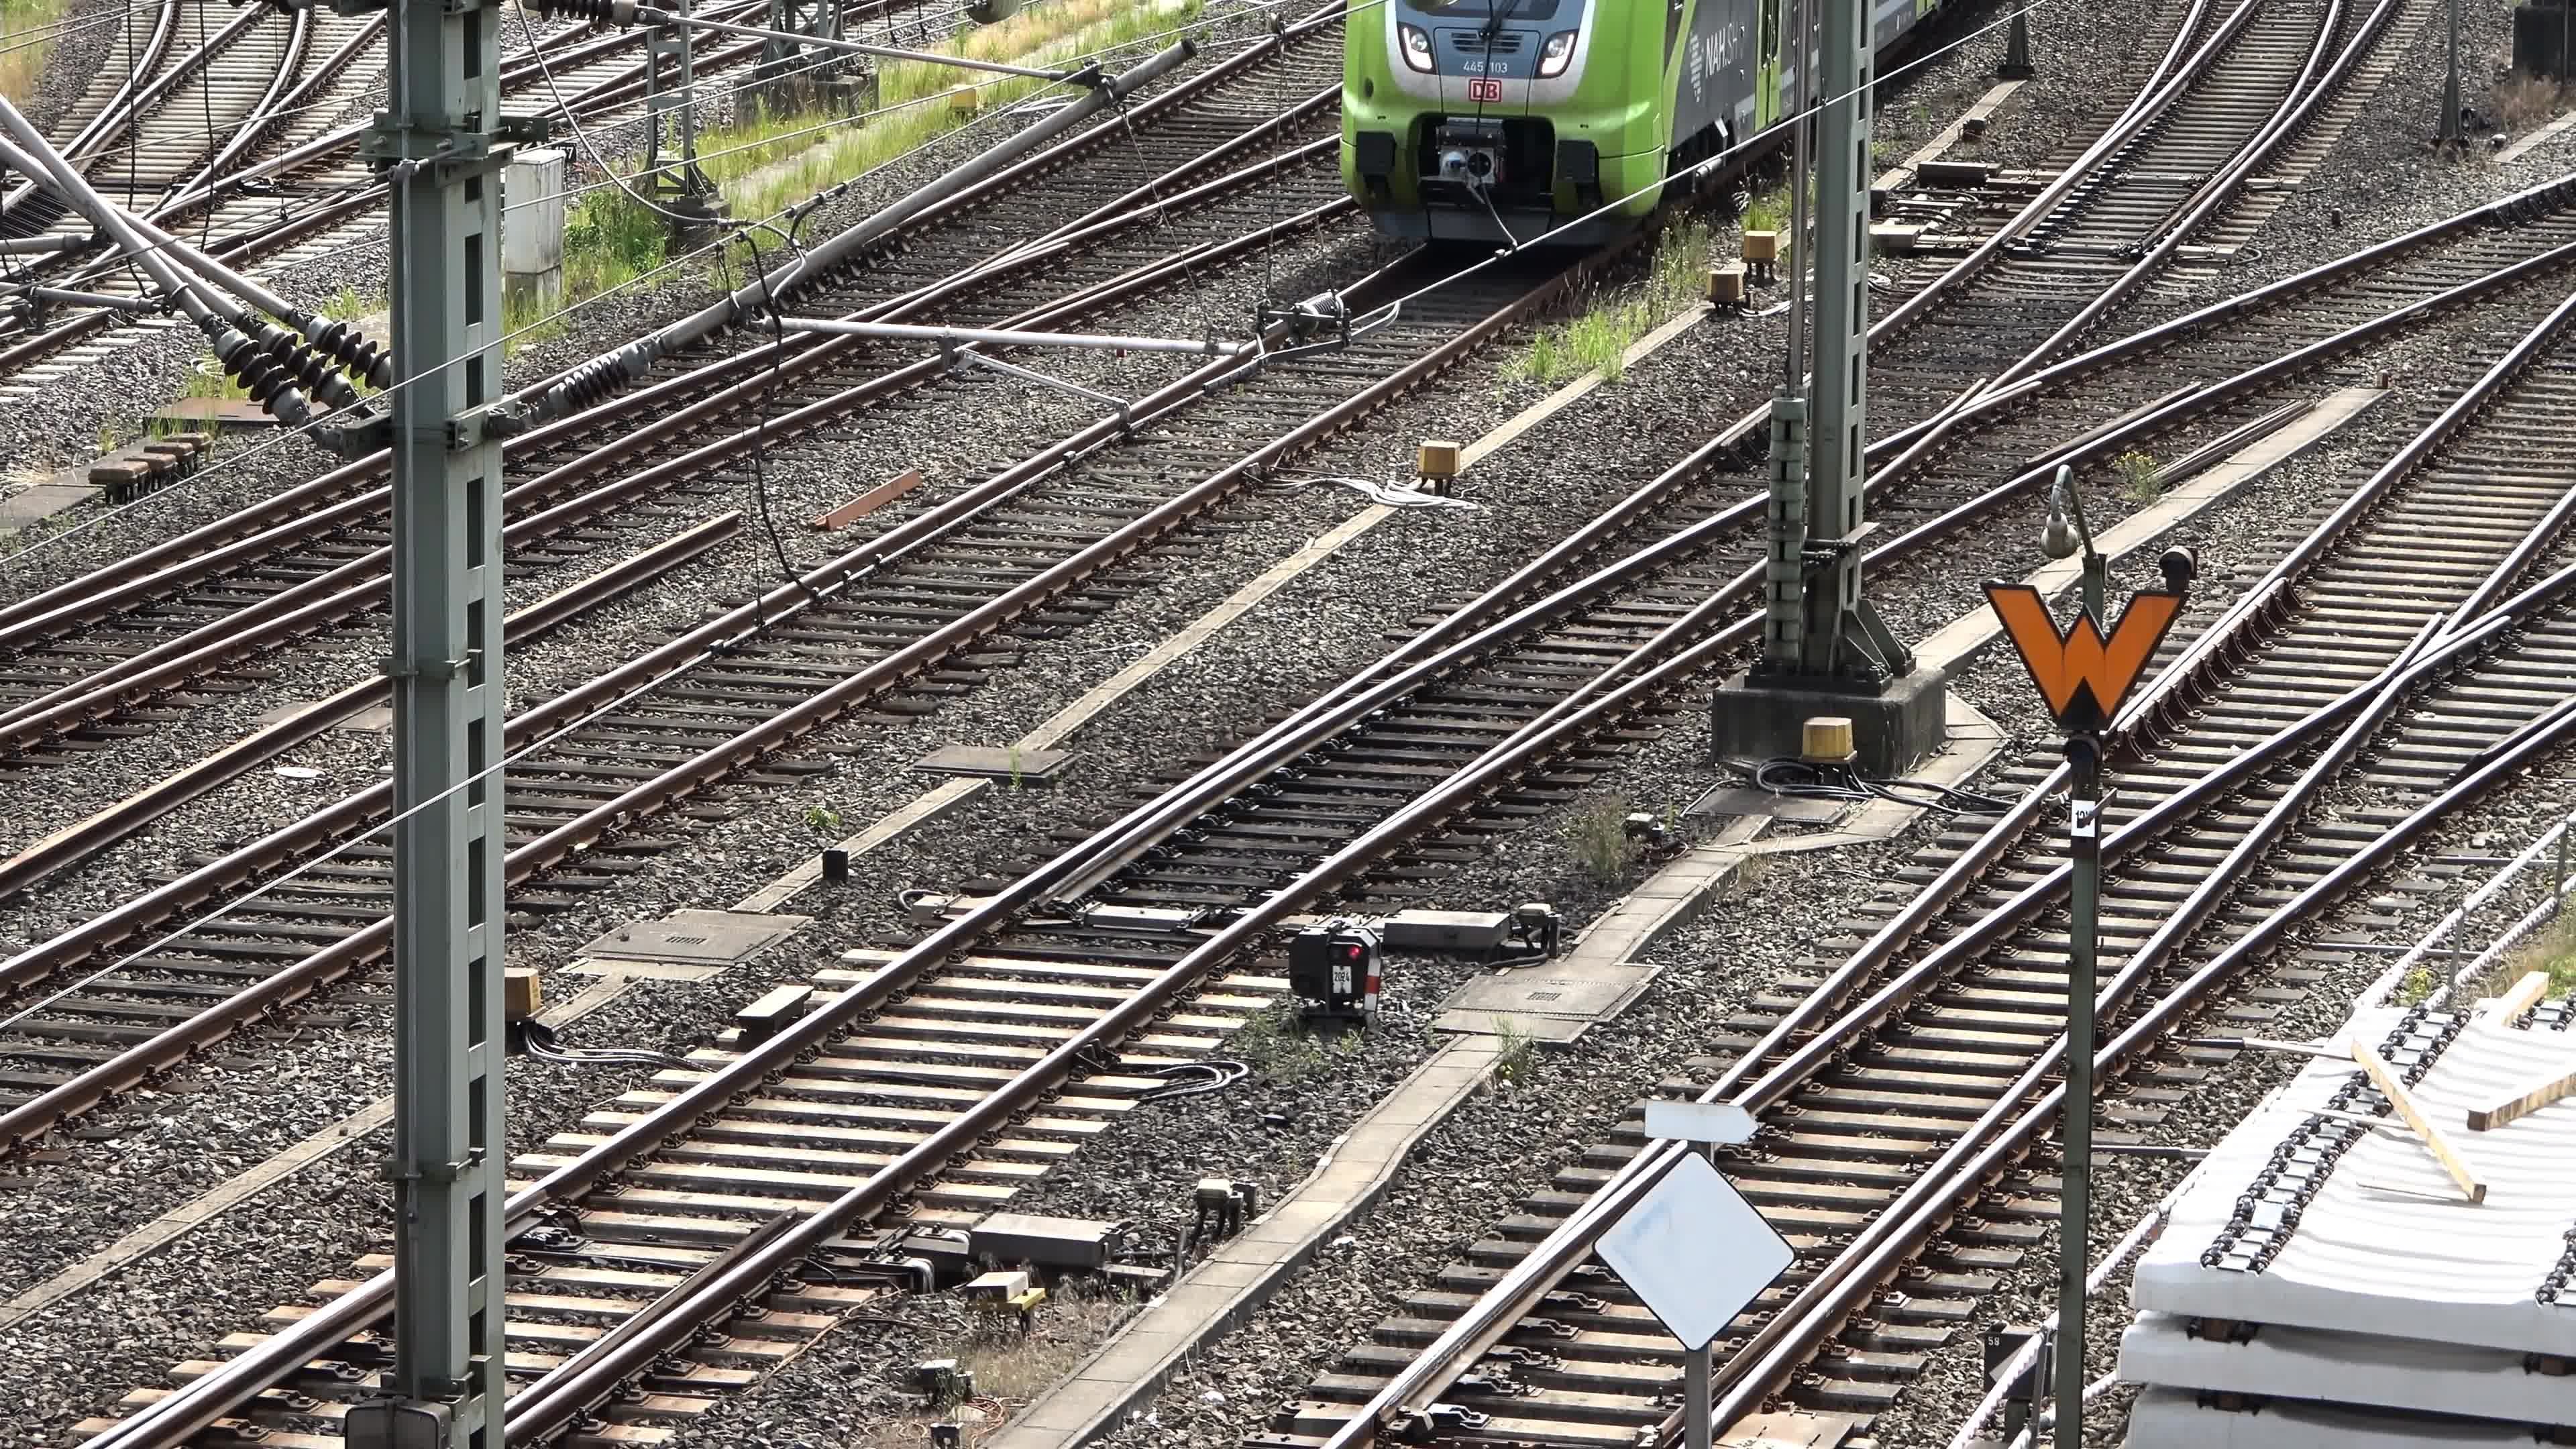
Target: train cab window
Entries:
(1770, 30)
(1484, 9)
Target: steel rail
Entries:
(160, 567)
(1486, 1322)
(210, 183)
(2520, 209)
(835, 576)
(1283, 742)
(1809, 1042)
(170, 1045)
(2167, 83)
(2307, 91)
(2001, 1133)
(282, 99)
(676, 1115)
(518, 68)
(2171, 78)
(111, 115)
(85, 838)
(201, 1402)
(356, 583)
(126, 109)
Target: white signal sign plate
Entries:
(1700, 1121)
(1695, 1252)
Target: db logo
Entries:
(1484, 90)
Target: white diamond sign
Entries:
(1695, 1252)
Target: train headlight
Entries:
(1554, 56)
(1417, 46)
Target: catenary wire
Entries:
(1381, 314)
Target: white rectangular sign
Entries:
(1695, 1252)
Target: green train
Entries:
(1500, 120)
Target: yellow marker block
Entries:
(521, 996)
(1825, 741)
(1436, 459)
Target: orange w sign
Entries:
(2083, 676)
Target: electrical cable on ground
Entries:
(543, 1044)
(1195, 1079)
(1385, 495)
(1799, 779)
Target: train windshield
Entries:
(1484, 9)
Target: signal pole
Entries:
(780, 57)
(1839, 412)
(2449, 135)
(1826, 654)
(441, 143)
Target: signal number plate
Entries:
(1484, 90)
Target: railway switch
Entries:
(1334, 968)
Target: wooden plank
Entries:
(868, 502)
(2523, 1103)
(2384, 1077)
(2523, 995)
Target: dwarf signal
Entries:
(1335, 967)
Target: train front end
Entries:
(1503, 120)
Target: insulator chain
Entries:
(299, 360)
(368, 360)
(593, 381)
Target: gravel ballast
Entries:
(77, 1359)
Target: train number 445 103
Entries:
(1484, 90)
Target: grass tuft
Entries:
(2524, 101)
(26, 39)
(1274, 1044)
(2142, 480)
(770, 161)
(1599, 834)
(1598, 341)
(1515, 1052)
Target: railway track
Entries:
(68, 707)
(233, 134)
(918, 601)
(2247, 92)
(1901, 1089)
(1039, 990)
(1235, 147)
(77, 706)
(1073, 985)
